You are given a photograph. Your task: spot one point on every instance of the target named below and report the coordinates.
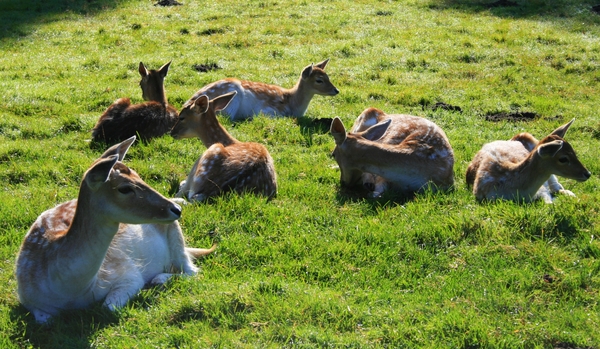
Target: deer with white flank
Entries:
(524, 169)
(404, 152)
(227, 164)
(148, 120)
(119, 235)
(256, 97)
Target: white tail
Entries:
(119, 235)
(227, 164)
(256, 97)
(404, 151)
(525, 169)
(148, 120)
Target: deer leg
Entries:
(555, 187)
(126, 288)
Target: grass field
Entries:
(319, 266)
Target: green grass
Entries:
(318, 266)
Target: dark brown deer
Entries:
(146, 120)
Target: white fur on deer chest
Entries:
(145, 246)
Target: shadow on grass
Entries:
(70, 329)
(547, 10)
(19, 18)
(360, 194)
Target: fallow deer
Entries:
(148, 120)
(227, 164)
(117, 236)
(405, 152)
(256, 97)
(524, 169)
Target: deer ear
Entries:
(376, 131)
(561, 131)
(222, 101)
(98, 173)
(164, 69)
(338, 131)
(201, 103)
(548, 150)
(119, 149)
(142, 69)
(306, 72)
(323, 64)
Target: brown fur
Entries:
(227, 164)
(146, 120)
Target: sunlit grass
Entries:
(317, 266)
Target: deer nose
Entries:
(176, 209)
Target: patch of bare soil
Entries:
(512, 116)
(203, 68)
(168, 3)
(445, 106)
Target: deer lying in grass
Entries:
(119, 235)
(404, 152)
(524, 169)
(227, 164)
(256, 97)
(147, 120)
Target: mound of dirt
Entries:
(512, 116)
(168, 3)
(203, 68)
(444, 106)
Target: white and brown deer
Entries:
(117, 236)
(404, 152)
(525, 169)
(227, 164)
(148, 120)
(256, 97)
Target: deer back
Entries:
(240, 167)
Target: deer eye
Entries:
(125, 189)
(563, 160)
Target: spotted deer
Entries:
(227, 164)
(525, 169)
(117, 236)
(257, 97)
(148, 120)
(403, 152)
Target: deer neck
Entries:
(156, 94)
(211, 131)
(298, 98)
(85, 245)
(530, 174)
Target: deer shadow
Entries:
(69, 329)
